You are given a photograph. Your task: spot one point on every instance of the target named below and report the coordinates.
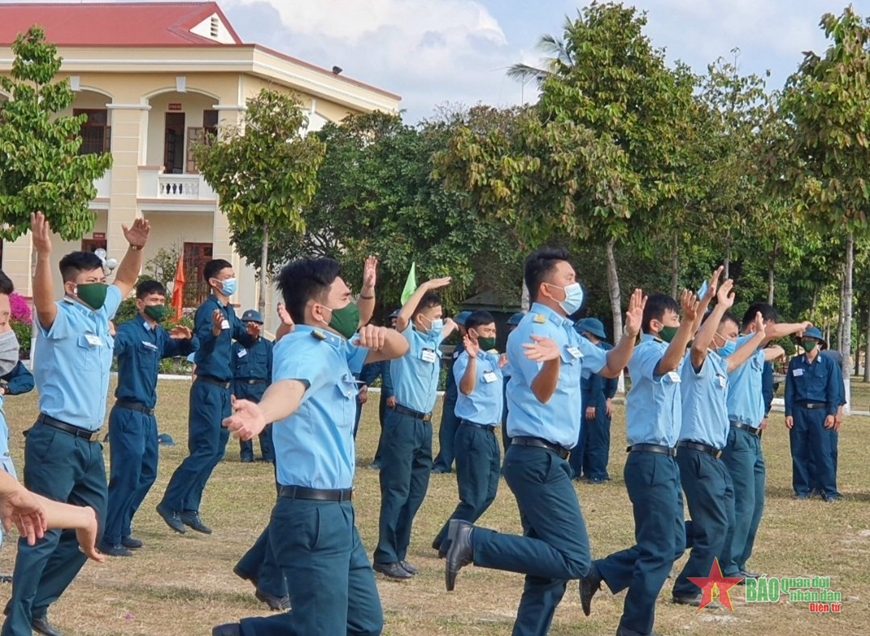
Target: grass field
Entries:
(183, 585)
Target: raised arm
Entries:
(43, 288)
(748, 348)
(708, 296)
(703, 338)
(677, 348)
(618, 357)
(382, 343)
(131, 265)
(468, 379)
(407, 311)
(366, 300)
(781, 330)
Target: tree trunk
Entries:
(615, 301)
(771, 267)
(867, 348)
(856, 361)
(846, 344)
(675, 266)
(264, 268)
(841, 314)
(727, 262)
(813, 306)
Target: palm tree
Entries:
(559, 59)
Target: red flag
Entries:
(178, 288)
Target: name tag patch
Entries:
(242, 353)
(721, 379)
(673, 376)
(94, 340)
(489, 376)
(225, 324)
(149, 345)
(428, 355)
(797, 372)
(575, 352)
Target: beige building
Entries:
(152, 78)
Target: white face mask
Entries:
(9, 350)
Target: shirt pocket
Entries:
(146, 357)
(90, 349)
(347, 391)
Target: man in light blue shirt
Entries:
(63, 459)
(312, 402)
(406, 444)
(547, 358)
(653, 414)
(478, 376)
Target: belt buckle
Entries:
(717, 454)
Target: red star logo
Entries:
(715, 585)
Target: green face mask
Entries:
(92, 294)
(667, 333)
(155, 312)
(486, 344)
(809, 345)
(345, 320)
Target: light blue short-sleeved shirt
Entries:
(745, 398)
(4, 430)
(314, 446)
(557, 421)
(705, 413)
(653, 406)
(73, 360)
(415, 375)
(484, 404)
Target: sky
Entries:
(436, 52)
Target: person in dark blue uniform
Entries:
(837, 357)
(812, 398)
(653, 413)
(512, 324)
(311, 401)
(443, 462)
(63, 459)
(590, 456)
(478, 375)
(407, 440)
(387, 398)
(216, 326)
(140, 344)
(547, 358)
(703, 476)
(252, 374)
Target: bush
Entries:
(24, 333)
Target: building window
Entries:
(96, 132)
(205, 134)
(196, 289)
(92, 245)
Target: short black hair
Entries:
(75, 263)
(768, 313)
(148, 287)
(729, 317)
(429, 299)
(214, 267)
(478, 318)
(656, 307)
(6, 285)
(306, 279)
(539, 264)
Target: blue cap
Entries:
(252, 315)
(461, 317)
(516, 318)
(591, 325)
(395, 314)
(814, 332)
(164, 439)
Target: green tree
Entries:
(40, 168)
(265, 173)
(827, 104)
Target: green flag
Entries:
(410, 284)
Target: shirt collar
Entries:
(320, 334)
(144, 323)
(79, 307)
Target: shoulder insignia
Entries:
(318, 335)
(540, 319)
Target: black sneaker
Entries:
(171, 518)
(131, 542)
(193, 521)
(116, 550)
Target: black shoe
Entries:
(116, 550)
(228, 629)
(131, 542)
(624, 631)
(694, 600)
(589, 585)
(245, 576)
(831, 498)
(5, 578)
(247, 460)
(460, 553)
(171, 518)
(410, 569)
(749, 575)
(275, 603)
(41, 626)
(440, 471)
(374, 466)
(392, 570)
(193, 521)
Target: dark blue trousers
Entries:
(745, 462)
(261, 563)
(815, 486)
(653, 484)
(62, 467)
(206, 442)
(267, 449)
(133, 468)
(710, 497)
(382, 417)
(329, 579)
(446, 436)
(554, 547)
(406, 465)
(478, 467)
(812, 447)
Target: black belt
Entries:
(652, 448)
(134, 406)
(211, 380)
(83, 433)
(426, 417)
(537, 442)
(704, 448)
(252, 380)
(487, 427)
(317, 494)
(749, 429)
(813, 405)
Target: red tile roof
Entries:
(112, 24)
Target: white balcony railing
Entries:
(154, 184)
